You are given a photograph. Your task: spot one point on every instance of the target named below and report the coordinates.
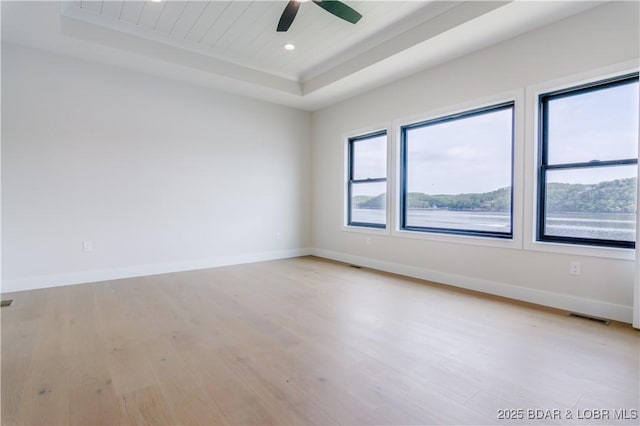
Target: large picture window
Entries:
(457, 173)
(588, 164)
(367, 180)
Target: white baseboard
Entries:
(555, 300)
(45, 281)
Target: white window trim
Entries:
(531, 166)
(515, 96)
(345, 180)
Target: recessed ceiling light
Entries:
(156, 1)
(289, 46)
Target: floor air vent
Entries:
(7, 302)
(588, 318)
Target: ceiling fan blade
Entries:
(288, 15)
(339, 9)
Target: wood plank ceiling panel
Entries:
(306, 27)
(171, 15)
(248, 22)
(226, 22)
(192, 13)
(309, 33)
(112, 9)
(255, 32)
(171, 12)
(269, 34)
(131, 11)
(151, 13)
(205, 21)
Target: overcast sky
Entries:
(461, 156)
(600, 125)
(474, 154)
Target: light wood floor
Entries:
(302, 341)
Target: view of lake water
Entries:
(612, 226)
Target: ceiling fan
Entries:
(334, 7)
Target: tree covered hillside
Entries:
(616, 196)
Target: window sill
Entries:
(581, 250)
(476, 240)
(366, 230)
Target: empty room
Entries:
(319, 212)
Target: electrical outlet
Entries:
(87, 246)
(574, 268)
(278, 235)
(368, 241)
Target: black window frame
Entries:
(511, 104)
(544, 166)
(350, 180)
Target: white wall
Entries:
(163, 176)
(159, 175)
(597, 38)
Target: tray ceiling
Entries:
(244, 32)
(233, 45)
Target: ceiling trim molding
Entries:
(168, 52)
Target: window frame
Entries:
(350, 141)
(402, 173)
(543, 165)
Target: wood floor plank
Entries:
(146, 406)
(303, 341)
(45, 398)
(16, 362)
(92, 399)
